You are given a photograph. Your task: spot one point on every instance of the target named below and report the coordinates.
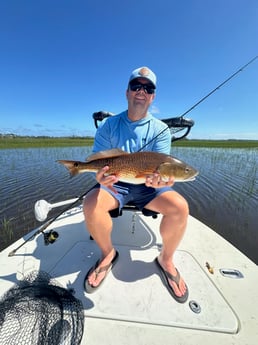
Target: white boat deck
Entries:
(133, 306)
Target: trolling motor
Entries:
(178, 122)
(175, 124)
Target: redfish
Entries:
(134, 167)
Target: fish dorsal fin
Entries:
(106, 154)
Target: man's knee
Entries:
(179, 207)
(182, 205)
(98, 201)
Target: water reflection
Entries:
(224, 195)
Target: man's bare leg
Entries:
(174, 209)
(97, 204)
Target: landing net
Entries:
(39, 311)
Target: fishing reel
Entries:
(50, 237)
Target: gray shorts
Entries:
(136, 194)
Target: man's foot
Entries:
(97, 274)
(174, 283)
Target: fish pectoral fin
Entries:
(106, 154)
(141, 175)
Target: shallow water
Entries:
(224, 195)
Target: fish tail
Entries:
(71, 166)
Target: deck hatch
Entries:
(134, 292)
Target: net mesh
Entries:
(39, 311)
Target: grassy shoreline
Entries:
(36, 142)
(237, 144)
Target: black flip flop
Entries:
(165, 276)
(91, 288)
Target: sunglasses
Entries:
(146, 87)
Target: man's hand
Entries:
(155, 181)
(106, 181)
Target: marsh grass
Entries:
(10, 142)
(224, 195)
(237, 144)
(7, 230)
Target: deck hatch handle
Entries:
(231, 273)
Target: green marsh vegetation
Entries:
(225, 194)
(13, 141)
(238, 144)
(7, 230)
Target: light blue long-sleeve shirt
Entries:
(120, 132)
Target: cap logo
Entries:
(144, 72)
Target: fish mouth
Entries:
(191, 178)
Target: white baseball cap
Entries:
(144, 72)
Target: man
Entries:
(131, 131)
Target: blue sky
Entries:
(60, 61)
